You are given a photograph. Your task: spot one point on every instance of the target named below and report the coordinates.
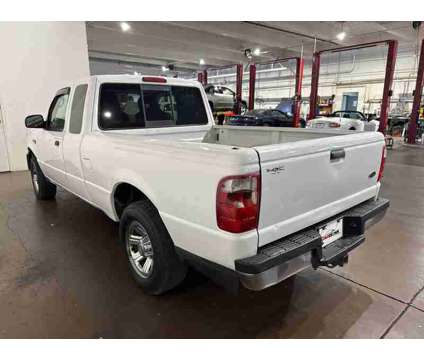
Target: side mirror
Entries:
(34, 121)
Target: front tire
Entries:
(153, 261)
(43, 188)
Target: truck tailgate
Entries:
(308, 181)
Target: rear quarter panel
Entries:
(180, 178)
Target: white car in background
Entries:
(221, 98)
(345, 120)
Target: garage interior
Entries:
(63, 273)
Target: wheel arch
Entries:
(29, 155)
(125, 193)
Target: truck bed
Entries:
(251, 136)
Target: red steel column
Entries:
(205, 77)
(200, 77)
(388, 81)
(412, 126)
(252, 80)
(298, 92)
(239, 84)
(313, 98)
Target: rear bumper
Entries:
(283, 258)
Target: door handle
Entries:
(87, 162)
(56, 142)
(337, 154)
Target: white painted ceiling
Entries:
(222, 43)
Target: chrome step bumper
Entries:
(285, 257)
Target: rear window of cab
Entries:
(134, 106)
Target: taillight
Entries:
(237, 202)
(334, 125)
(383, 160)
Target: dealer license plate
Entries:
(331, 231)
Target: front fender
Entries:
(31, 151)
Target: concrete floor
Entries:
(63, 275)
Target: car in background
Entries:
(396, 123)
(221, 98)
(345, 120)
(263, 117)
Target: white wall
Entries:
(37, 59)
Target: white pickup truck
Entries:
(243, 205)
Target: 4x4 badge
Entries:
(276, 170)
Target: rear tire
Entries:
(153, 261)
(43, 188)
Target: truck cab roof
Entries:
(145, 78)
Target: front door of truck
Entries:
(51, 146)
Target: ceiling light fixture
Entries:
(341, 35)
(257, 52)
(202, 62)
(125, 26)
(165, 69)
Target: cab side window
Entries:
(57, 113)
(77, 109)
